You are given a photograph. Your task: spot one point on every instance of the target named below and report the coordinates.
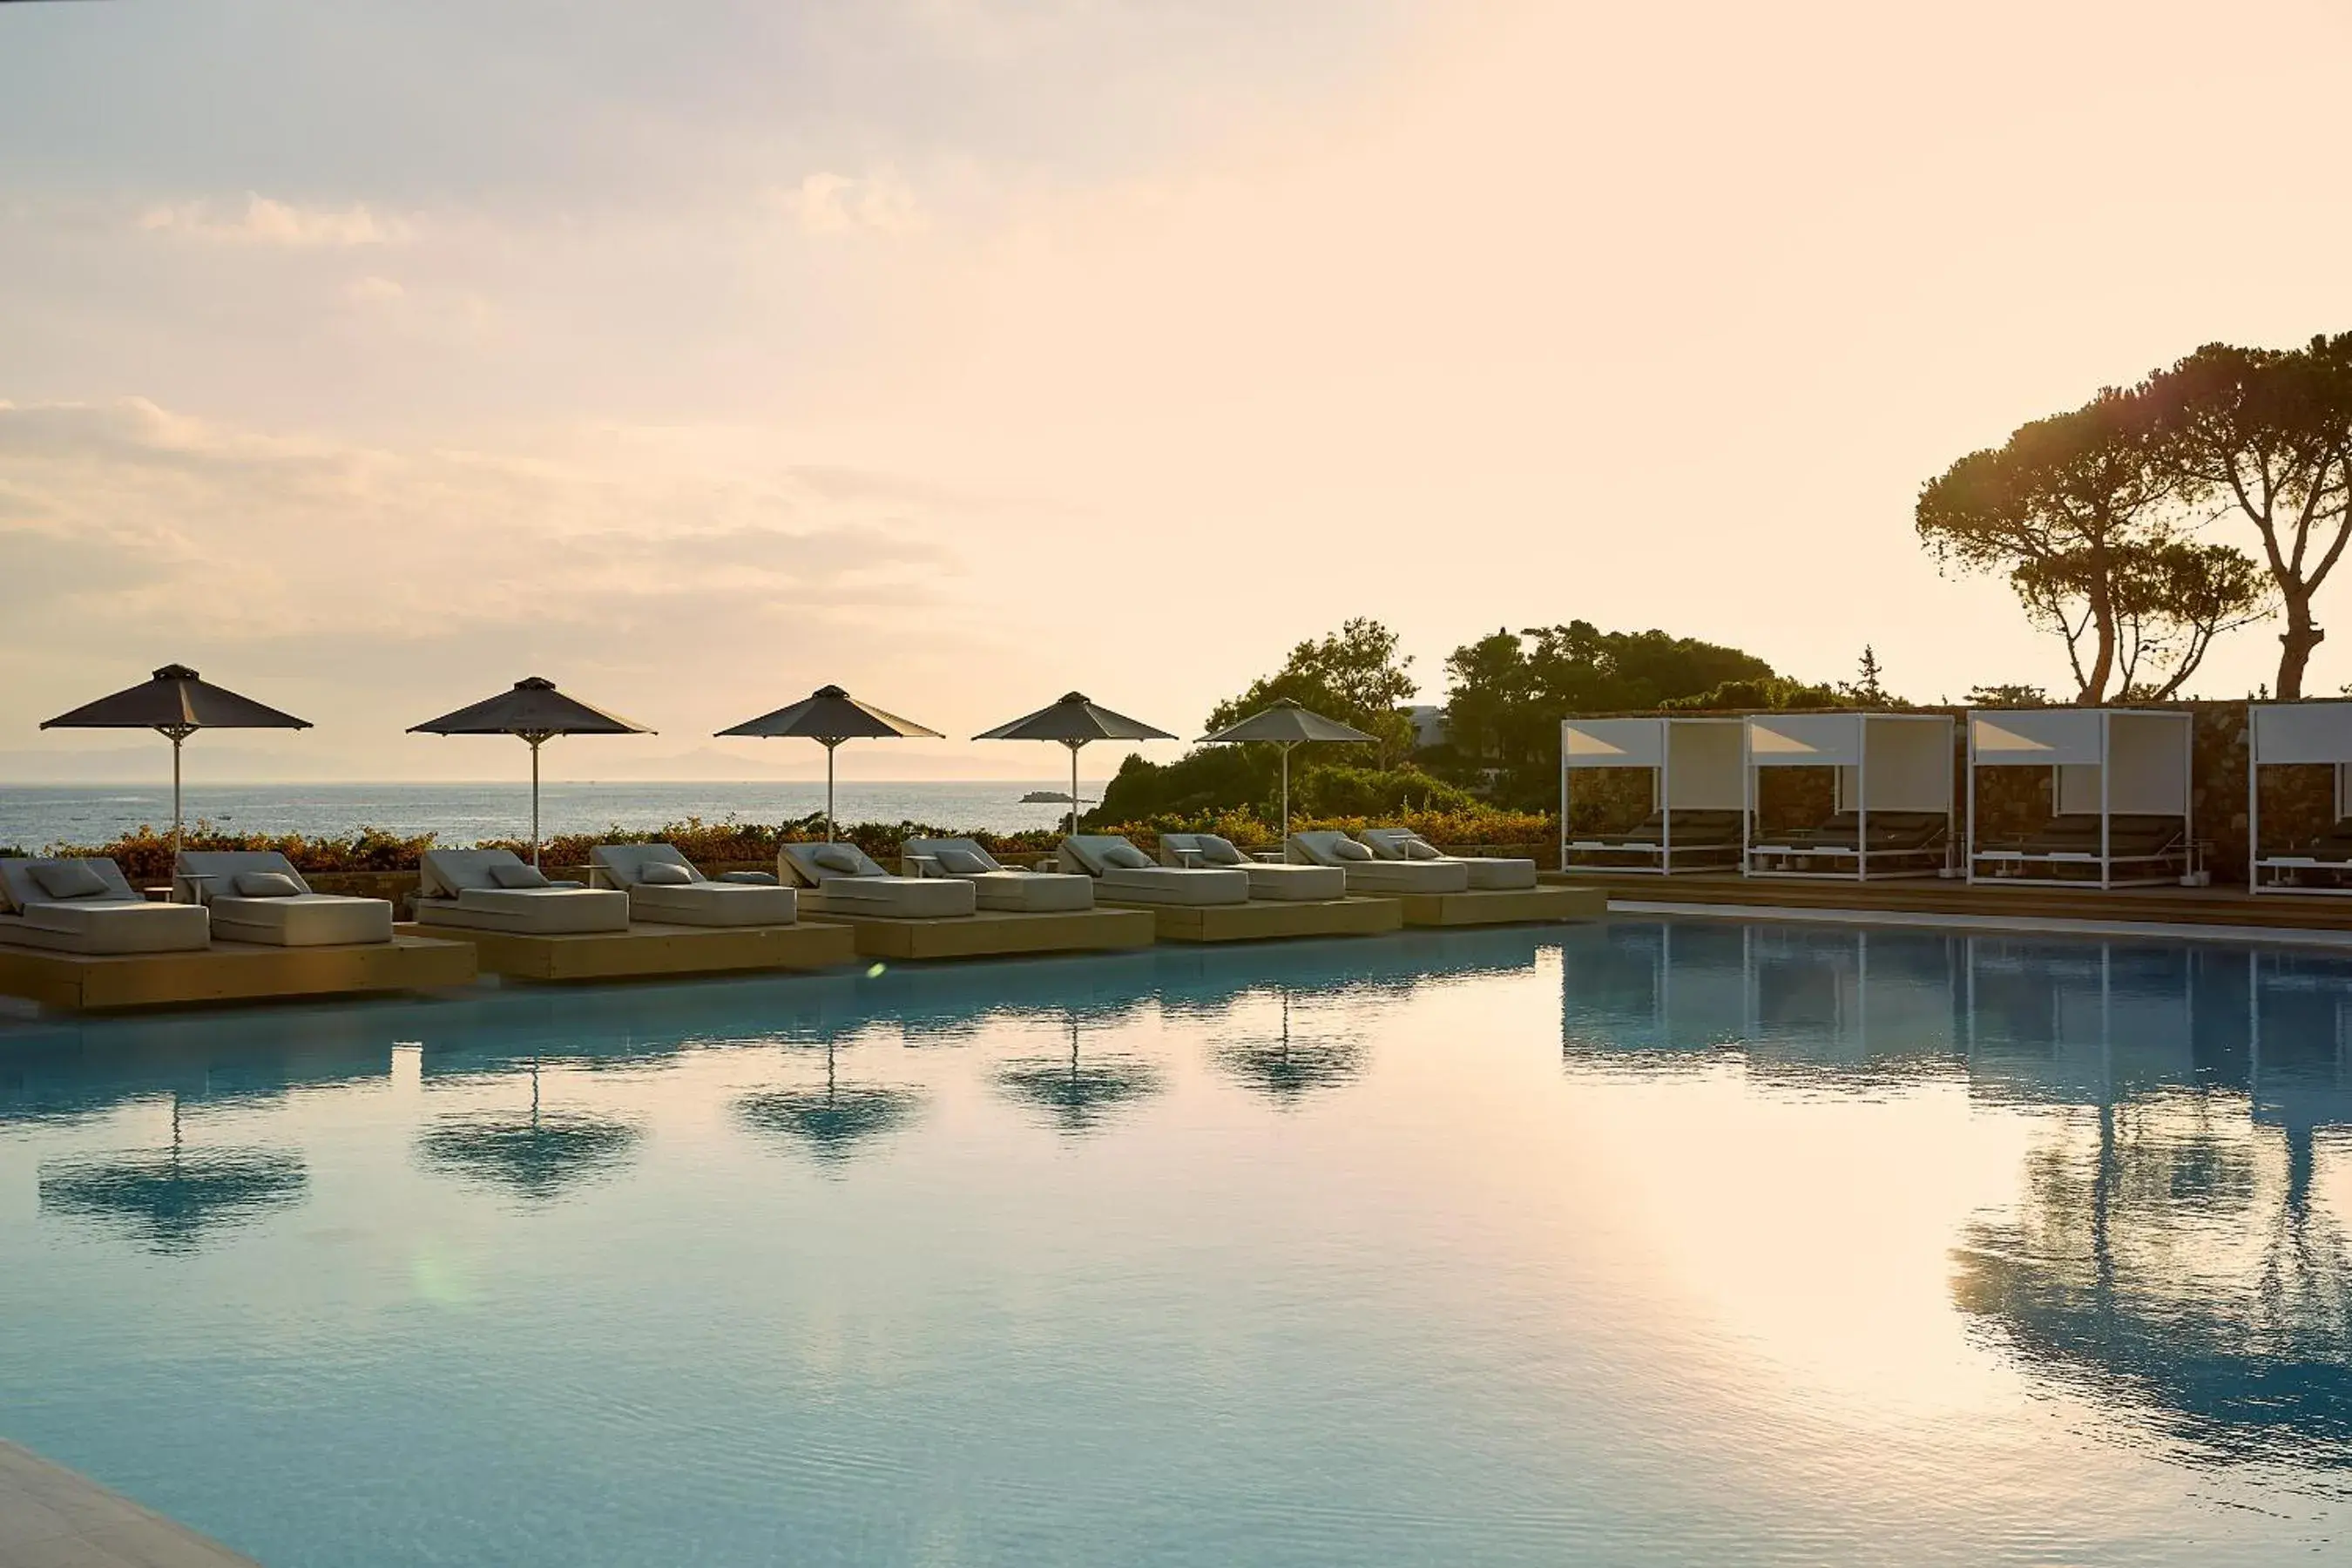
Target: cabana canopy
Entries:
(1897, 767)
(2127, 768)
(2304, 734)
(1695, 767)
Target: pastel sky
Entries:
(965, 352)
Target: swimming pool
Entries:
(1650, 1243)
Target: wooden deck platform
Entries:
(232, 972)
(1268, 919)
(994, 933)
(647, 950)
(1578, 900)
(1932, 896)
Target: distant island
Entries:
(1047, 798)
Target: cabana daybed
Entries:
(1697, 794)
(1891, 790)
(2300, 735)
(2120, 792)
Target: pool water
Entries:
(1645, 1244)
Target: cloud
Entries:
(266, 221)
(401, 576)
(373, 290)
(830, 203)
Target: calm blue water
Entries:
(1650, 1244)
(37, 815)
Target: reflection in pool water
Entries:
(1645, 1244)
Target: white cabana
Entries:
(1892, 797)
(1697, 795)
(2304, 734)
(2119, 791)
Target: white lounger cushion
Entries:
(117, 921)
(1369, 875)
(1279, 884)
(1487, 872)
(847, 881)
(456, 889)
(666, 889)
(996, 887)
(303, 918)
(1150, 884)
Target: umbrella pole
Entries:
(1074, 790)
(1285, 797)
(828, 789)
(178, 737)
(534, 745)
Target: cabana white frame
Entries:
(1914, 753)
(1702, 783)
(2284, 734)
(2063, 738)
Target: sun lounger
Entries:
(494, 890)
(1487, 872)
(1704, 839)
(1125, 874)
(2067, 847)
(845, 881)
(257, 895)
(995, 885)
(86, 906)
(1369, 874)
(666, 888)
(1301, 884)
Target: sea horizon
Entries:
(39, 816)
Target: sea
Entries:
(36, 816)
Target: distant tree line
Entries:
(2097, 516)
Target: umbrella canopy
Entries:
(1288, 724)
(1074, 722)
(534, 711)
(172, 1196)
(830, 716)
(175, 702)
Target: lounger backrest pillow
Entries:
(266, 885)
(518, 876)
(841, 857)
(68, 880)
(1418, 849)
(665, 874)
(1348, 849)
(959, 862)
(1218, 851)
(1126, 857)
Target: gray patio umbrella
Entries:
(830, 716)
(1288, 724)
(536, 712)
(1074, 722)
(175, 702)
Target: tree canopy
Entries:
(1354, 674)
(2090, 515)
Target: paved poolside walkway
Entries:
(52, 1518)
